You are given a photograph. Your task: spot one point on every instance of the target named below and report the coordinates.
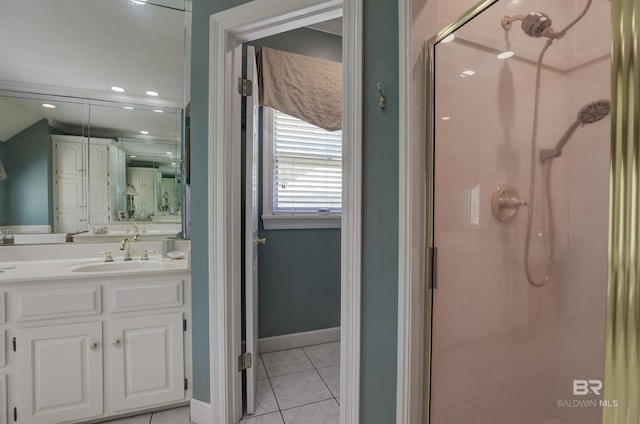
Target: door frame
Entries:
(228, 30)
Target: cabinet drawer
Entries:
(57, 303)
(139, 296)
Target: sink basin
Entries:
(120, 266)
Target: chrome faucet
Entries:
(126, 246)
(136, 237)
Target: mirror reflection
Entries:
(79, 153)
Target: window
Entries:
(302, 173)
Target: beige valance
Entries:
(302, 86)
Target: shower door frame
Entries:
(430, 261)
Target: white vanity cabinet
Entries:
(92, 348)
(60, 373)
(3, 361)
(146, 361)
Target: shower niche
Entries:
(519, 140)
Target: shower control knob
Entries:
(505, 203)
(511, 202)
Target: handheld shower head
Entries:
(594, 111)
(590, 113)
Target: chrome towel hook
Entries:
(383, 100)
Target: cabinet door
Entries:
(60, 371)
(99, 212)
(69, 159)
(98, 159)
(147, 363)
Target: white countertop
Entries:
(42, 271)
(41, 263)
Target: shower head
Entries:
(590, 113)
(594, 111)
(534, 24)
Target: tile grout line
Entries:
(272, 389)
(317, 372)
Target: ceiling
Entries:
(81, 48)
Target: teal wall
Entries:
(3, 187)
(380, 214)
(28, 162)
(299, 270)
(380, 226)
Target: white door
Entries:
(146, 361)
(251, 229)
(60, 371)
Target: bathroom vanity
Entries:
(83, 339)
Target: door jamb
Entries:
(229, 29)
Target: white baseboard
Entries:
(200, 412)
(292, 341)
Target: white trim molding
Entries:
(284, 221)
(411, 216)
(200, 412)
(351, 234)
(228, 30)
(296, 340)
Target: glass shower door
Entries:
(518, 313)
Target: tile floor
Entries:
(170, 416)
(298, 386)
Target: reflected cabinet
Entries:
(88, 176)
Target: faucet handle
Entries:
(108, 257)
(145, 254)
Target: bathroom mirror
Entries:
(60, 112)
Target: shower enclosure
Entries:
(519, 153)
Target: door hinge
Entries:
(14, 344)
(245, 87)
(244, 361)
(185, 384)
(184, 324)
(15, 413)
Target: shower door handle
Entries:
(432, 268)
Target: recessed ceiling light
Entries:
(158, 110)
(468, 72)
(151, 93)
(49, 105)
(463, 76)
(144, 132)
(133, 156)
(505, 55)
(169, 153)
(128, 107)
(118, 89)
(448, 38)
(173, 163)
(446, 118)
(139, 1)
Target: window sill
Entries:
(299, 221)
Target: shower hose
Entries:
(534, 156)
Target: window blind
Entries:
(307, 167)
